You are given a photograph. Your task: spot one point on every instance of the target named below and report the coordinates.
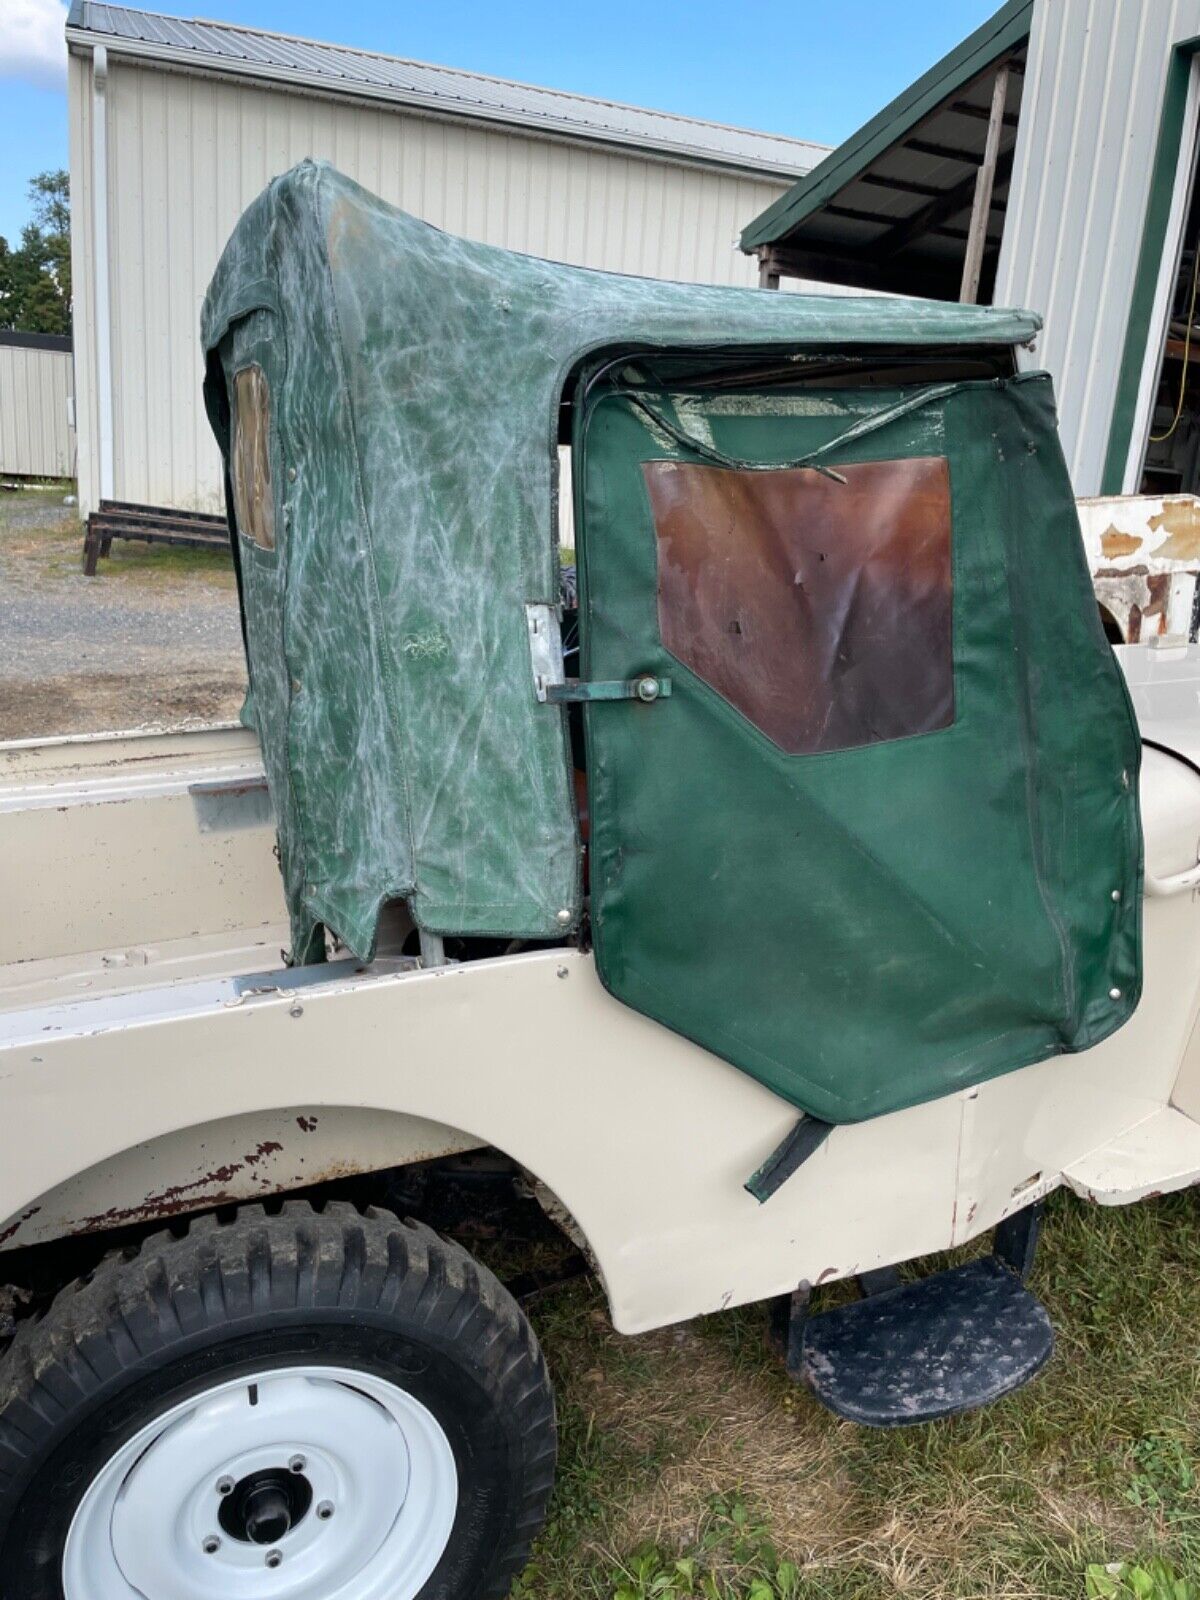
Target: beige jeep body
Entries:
(157, 1058)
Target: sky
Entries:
(814, 69)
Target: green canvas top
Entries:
(396, 394)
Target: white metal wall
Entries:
(1089, 127)
(35, 386)
(188, 153)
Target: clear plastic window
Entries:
(821, 610)
(253, 502)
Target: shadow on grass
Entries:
(1092, 1463)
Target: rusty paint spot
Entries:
(14, 1227)
(1114, 543)
(265, 1148)
(150, 1209)
(1180, 521)
(307, 1124)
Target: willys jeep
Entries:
(771, 905)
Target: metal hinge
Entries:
(647, 688)
(552, 686)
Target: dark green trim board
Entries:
(1008, 28)
(1167, 156)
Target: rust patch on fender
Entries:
(265, 1148)
(14, 1227)
(210, 1189)
(307, 1124)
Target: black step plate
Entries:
(948, 1343)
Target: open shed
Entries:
(1050, 162)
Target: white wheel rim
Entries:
(383, 1482)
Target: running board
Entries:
(913, 1352)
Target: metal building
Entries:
(176, 125)
(37, 436)
(1062, 138)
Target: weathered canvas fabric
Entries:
(406, 417)
(882, 840)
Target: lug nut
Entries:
(211, 1545)
(325, 1510)
(297, 1464)
(274, 1558)
(224, 1486)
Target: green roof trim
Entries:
(1001, 33)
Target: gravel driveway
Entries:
(152, 641)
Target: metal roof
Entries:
(889, 208)
(35, 341)
(231, 49)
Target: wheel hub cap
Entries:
(265, 1506)
(309, 1483)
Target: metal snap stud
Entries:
(1114, 994)
(1116, 894)
(562, 917)
(648, 689)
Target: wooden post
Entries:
(985, 181)
(768, 272)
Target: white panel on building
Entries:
(1090, 120)
(196, 118)
(36, 436)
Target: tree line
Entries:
(35, 275)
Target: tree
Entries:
(35, 277)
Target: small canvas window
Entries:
(821, 609)
(253, 503)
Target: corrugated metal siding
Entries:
(187, 154)
(1089, 126)
(83, 309)
(35, 385)
(228, 48)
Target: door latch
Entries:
(553, 687)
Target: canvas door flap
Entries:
(841, 855)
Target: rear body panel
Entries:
(136, 1088)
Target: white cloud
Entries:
(32, 47)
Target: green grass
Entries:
(129, 559)
(690, 1446)
(55, 549)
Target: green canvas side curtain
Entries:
(386, 397)
(881, 840)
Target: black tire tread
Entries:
(132, 1308)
